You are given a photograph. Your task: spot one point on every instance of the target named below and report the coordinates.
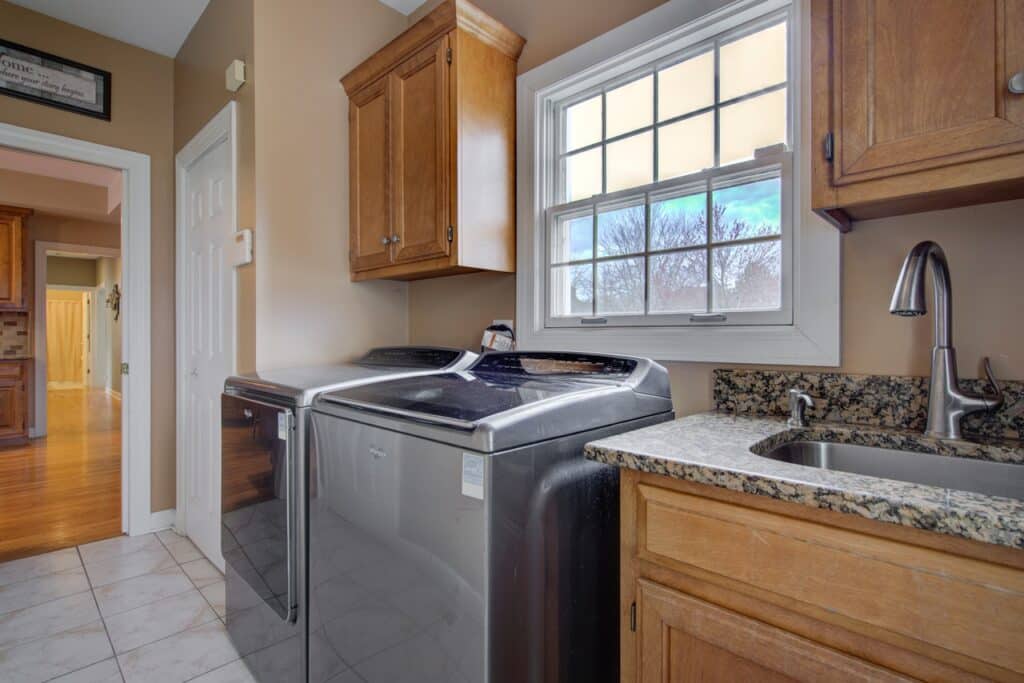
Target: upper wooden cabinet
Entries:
(432, 149)
(12, 225)
(911, 105)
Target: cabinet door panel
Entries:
(12, 410)
(420, 119)
(923, 84)
(11, 295)
(681, 638)
(369, 196)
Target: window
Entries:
(660, 206)
(669, 186)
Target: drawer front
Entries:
(12, 372)
(965, 606)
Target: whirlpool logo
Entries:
(378, 453)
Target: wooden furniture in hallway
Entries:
(13, 402)
(12, 286)
(432, 129)
(64, 489)
(912, 106)
(723, 586)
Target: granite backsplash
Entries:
(875, 400)
(14, 338)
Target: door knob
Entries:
(194, 373)
(1016, 84)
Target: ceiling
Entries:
(156, 25)
(404, 6)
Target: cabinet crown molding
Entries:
(449, 15)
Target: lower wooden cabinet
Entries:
(13, 403)
(682, 638)
(724, 586)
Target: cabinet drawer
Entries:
(966, 606)
(12, 371)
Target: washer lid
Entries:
(300, 385)
(512, 399)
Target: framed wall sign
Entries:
(48, 79)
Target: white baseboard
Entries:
(158, 521)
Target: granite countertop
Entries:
(715, 449)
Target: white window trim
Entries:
(814, 336)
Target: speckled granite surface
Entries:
(877, 400)
(715, 449)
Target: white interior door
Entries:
(209, 321)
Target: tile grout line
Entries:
(92, 592)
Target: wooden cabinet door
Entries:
(369, 177)
(681, 638)
(420, 154)
(922, 84)
(11, 294)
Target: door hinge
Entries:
(829, 146)
(632, 617)
(448, 55)
(451, 233)
(124, 368)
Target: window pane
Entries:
(583, 124)
(687, 86)
(620, 286)
(686, 146)
(572, 238)
(583, 175)
(747, 276)
(621, 231)
(752, 124)
(679, 222)
(679, 282)
(630, 162)
(572, 290)
(630, 106)
(748, 210)
(753, 62)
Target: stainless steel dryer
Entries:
(264, 455)
(456, 532)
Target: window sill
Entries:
(764, 344)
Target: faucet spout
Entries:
(947, 402)
(908, 299)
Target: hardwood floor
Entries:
(63, 489)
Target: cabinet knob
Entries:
(394, 239)
(385, 241)
(1016, 84)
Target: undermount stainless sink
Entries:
(963, 474)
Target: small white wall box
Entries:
(241, 248)
(234, 77)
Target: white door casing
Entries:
(206, 223)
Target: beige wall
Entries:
(223, 33)
(142, 116)
(307, 310)
(984, 245)
(56, 196)
(76, 272)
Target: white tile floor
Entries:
(144, 609)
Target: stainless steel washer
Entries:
(456, 531)
(264, 456)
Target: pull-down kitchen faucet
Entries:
(947, 403)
